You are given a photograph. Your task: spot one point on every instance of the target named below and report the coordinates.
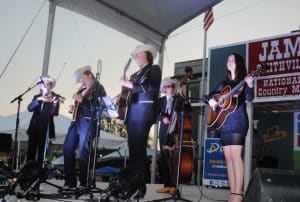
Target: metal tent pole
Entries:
(156, 128)
(52, 8)
(201, 125)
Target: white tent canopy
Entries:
(123, 152)
(8, 125)
(62, 123)
(106, 140)
(148, 21)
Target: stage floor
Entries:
(190, 192)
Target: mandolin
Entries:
(227, 101)
(122, 104)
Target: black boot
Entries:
(141, 192)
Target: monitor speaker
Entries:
(30, 173)
(273, 185)
(5, 142)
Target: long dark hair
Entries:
(240, 69)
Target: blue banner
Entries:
(215, 169)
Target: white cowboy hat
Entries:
(42, 79)
(144, 47)
(80, 71)
(168, 81)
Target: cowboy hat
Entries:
(168, 81)
(144, 48)
(81, 70)
(43, 79)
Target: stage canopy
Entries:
(148, 21)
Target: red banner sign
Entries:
(280, 86)
(283, 56)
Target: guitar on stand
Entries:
(122, 103)
(227, 101)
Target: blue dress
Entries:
(235, 127)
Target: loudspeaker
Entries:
(273, 185)
(30, 173)
(5, 142)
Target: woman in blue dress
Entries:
(235, 127)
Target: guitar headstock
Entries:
(127, 66)
(261, 70)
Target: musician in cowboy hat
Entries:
(142, 107)
(44, 106)
(79, 135)
(144, 48)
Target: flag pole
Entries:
(203, 62)
(200, 139)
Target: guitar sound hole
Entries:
(218, 109)
(221, 102)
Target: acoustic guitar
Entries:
(122, 104)
(227, 101)
(76, 104)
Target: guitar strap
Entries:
(140, 75)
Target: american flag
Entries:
(208, 19)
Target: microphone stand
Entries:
(14, 153)
(176, 195)
(94, 133)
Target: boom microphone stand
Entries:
(15, 153)
(176, 196)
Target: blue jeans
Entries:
(79, 135)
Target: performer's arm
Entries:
(150, 83)
(249, 90)
(211, 99)
(35, 103)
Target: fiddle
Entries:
(50, 98)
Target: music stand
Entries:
(106, 107)
(176, 195)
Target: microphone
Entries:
(41, 82)
(99, 70)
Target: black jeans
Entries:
(36, 143)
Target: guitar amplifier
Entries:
(274, 185)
